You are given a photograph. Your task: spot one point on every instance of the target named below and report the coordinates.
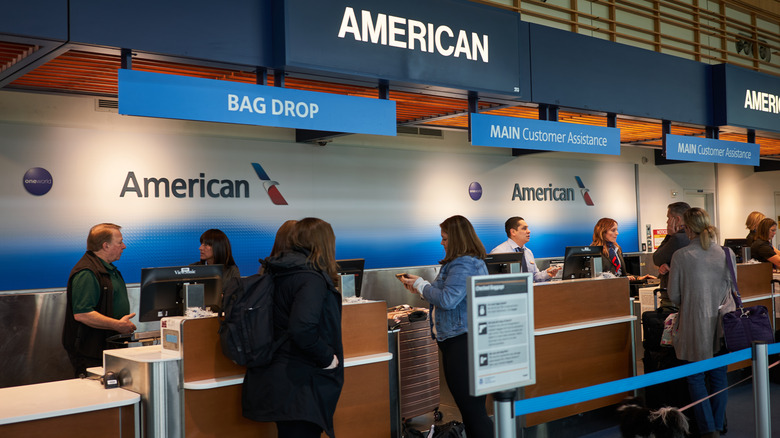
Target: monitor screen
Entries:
(577, 261)
(352, 267)
(162, 289)
(500, 263)
(736, 245)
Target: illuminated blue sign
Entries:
(514, 132)
(746, 98)
(680, 147)
(188, 98)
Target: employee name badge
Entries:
(501, 333)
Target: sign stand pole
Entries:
(503, 406)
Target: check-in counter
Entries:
(69, 408)
(211, 383)
(583, 337)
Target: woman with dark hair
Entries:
(281, 241)
(299, 389)
(699, 283)
(605, 235)
(762, 249)
(463, 257)
(215, 250)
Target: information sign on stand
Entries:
(501, 333)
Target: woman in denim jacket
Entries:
(463, 257)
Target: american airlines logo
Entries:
(200, 187)
(584, 192)
(270, 186)
(550, 193)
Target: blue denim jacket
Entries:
(447, 294)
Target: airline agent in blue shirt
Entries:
(519, 234)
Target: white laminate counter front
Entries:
(64, 397)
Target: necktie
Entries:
(523, 268)
(614, 258)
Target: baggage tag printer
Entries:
(170, 335)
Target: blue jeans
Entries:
(710, 414)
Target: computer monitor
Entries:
(352, 267)
(501, 263)
(579, 261)
(737, 246)
(162, 289)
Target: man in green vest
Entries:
(97, 302)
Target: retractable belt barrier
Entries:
(552, 401)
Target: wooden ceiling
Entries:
(94, 73)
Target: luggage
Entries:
(418, 359)
(658, 357)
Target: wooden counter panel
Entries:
(364, 406)
(364, 328)
(217, 413)
(108, 423)
(202, 354)
(576, 359)
(568, 302)
(754, 279)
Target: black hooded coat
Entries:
(295, 386)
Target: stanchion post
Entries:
(761, 390)
(503, 406)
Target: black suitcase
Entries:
(660, 357)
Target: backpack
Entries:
(246, 332)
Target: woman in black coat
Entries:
(300, 388)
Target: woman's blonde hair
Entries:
(762, 230)
(602, 226)
(316, 236)
(697, 221)
(462, 240)
(753, 219)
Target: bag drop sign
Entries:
(501, 333)
(187, 98)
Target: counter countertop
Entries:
(64, 397)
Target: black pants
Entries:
(297, 429)
(81, 363)
(455, 362)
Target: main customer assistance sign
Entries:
(501, 333)
(515, 132)
(686, 148)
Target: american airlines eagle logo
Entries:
(584, 191)
(269, 186)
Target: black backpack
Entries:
(246, 331)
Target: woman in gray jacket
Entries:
(699, 282)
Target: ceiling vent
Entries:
(423, 132)
(107, 105)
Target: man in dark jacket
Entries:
(674, 240)
(97, 303)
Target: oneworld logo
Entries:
(550, 193)
(475, 191)
(201, 187)
(37, 181)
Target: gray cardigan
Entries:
(699, 282)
